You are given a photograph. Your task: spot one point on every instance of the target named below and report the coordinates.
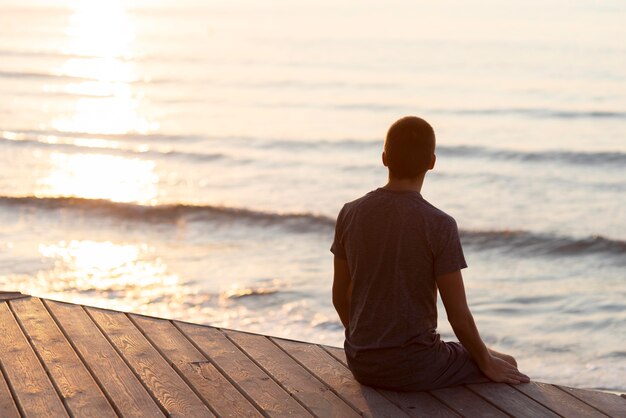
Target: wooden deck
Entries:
(59, 359)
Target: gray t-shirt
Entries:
(395, 244)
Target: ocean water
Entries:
(187, 159)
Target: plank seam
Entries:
(530, 397)
(582, 400)
(331, 353)
(452, 410)
(381, 393)
(82, 359)
(459, 412)
(444, 405)
(222, 371)
(358, 411)
(268, 373)
(119, 353)
(487, 400)
(514, 387)
(450, 407)
(538, 403)
(174, 366)
(32, 347)
(16, 402)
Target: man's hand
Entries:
(498, 367)
(505, 357)
(500, 370)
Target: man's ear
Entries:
(384, 157)
(432, 162)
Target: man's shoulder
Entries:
(438, 219)
(437, 214)
(368, 200)
(363, 200)
(413, 204)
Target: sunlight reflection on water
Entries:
(103, 268)
(96, 176)
(102, 34)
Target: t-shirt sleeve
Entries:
(337, 247)
(448, 252)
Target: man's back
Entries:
(393, 250)
(395, 244)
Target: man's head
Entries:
(409, 148)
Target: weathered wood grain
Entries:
(510, 400)
(33, 390)
(4, 295)
(165, 384)
(258, 386)
(365, 399)
(419, 404)
(301, 384)
(466, 403)
(80, 392)
(8, 409)
(337, 353)
(195, 368)
(57, 358)
(558, 400)
(125, 391)
(608, 403)
(460, 399)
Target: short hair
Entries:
(409, 147)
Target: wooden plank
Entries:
(419, 404)
(8, 409)
(165, 384)
(460, 399)
(209, 383)
(297, 381)
(253, 381)
(365, 399)
(608, 403)
(337, 353)
(558, 400)
(33, 390)
(4, 295)
(125, 391)
(80, 392)
(510, 400)
(414, 403)
(466, 403)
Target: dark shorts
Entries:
(460, 369)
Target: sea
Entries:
(187, 159)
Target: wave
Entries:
(26, 74)
(173, 213)
(35, 137)
(67, 78)
(69, 147)
(526, 112)
(55, 54)
(569, 157)
(511, 242)
(538, 113)
(131, 136)
(543, 244)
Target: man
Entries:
(393, 250)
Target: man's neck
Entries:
(402, 185)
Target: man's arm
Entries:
(498, 367)
(342, 290)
